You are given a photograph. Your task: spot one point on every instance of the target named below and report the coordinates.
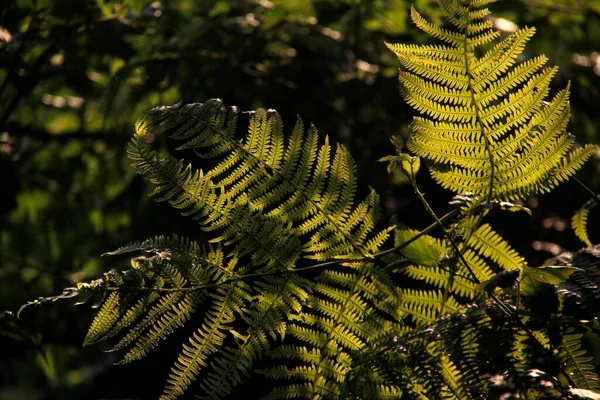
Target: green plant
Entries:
(294, 269)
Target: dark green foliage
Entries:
(485, 343)
(271, 203)
(293, 268)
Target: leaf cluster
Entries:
(294, 269)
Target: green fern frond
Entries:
(482, 270)
(164, 305)
(484, 122)
(272, 201)
(377, 392)
(579, 222)
(207, 340)
(452, 376)
(105, 319)
(334, 323)
(252, 181)
(280, 299)
(439, 278)
(162, 291)
(577, 362)
(424, 306)
(489, 244)
(172, 318)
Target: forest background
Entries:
(74, 76)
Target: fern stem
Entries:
(488, 144)
(425, 231)
(439, 223)
(587, 190)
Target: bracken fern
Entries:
(293, 268)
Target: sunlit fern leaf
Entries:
(425, 306)
(160, 293)
(482, 270)
(491, 245)
(377, 392)
(336, 322)
(437, 277)
(261, 188)
(467, 352)
(172, 318)
(105, 319)
(520, 351)
(579, 222)
(452, 375)
(279, 298)
(579, 225)
(167, 303)
(135, 311)
(485, 125)
(271, 202)
(576, 360)
(228, 301)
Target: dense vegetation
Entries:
(74, 194)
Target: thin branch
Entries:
(296, 270)
(425, 231)
(587, 190)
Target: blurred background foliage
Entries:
(74, 75)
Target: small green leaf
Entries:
(386, 158)
(508, 206)
(404, 163)
(551, 274)
(410, 164)
(426, 250)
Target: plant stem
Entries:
(425, 231)
(587, 190)
(439, 223)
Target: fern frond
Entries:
(439, 278)
(105, 319)
(424, 306)
(171, 319)
(493, 246)
(577, 362)
(251, 182)
(271, 202)
(484, 123)
(279, 300)
(208, 339)
(452, 376)
(161, 307)
(579, 222)
(377, 392)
